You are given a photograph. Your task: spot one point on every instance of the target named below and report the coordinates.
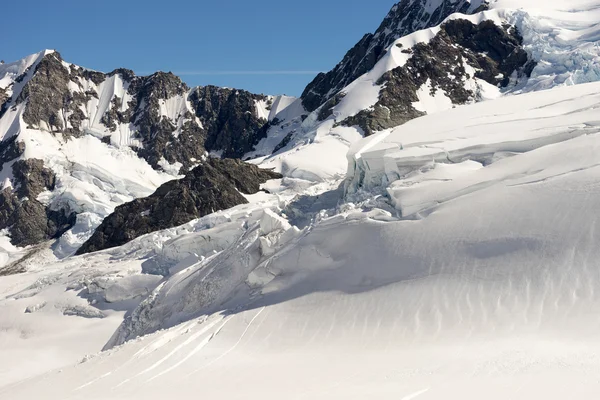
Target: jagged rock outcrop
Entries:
(30, 222)
(177, 138)
(405, 17)
(495, 53)
(47, 94)
(213, 185)
(3, 97)
(228, 118)
(10, 149)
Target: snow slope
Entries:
(490, 293)
(485, 132)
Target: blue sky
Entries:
(230, 43)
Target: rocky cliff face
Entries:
(213, 119)
(405, 17)
(226, 115)
(27, 218)
(213, 185)
(176, 138)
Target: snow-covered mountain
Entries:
(403, 19)
(432, 234)
(77, 143)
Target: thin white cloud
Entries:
(189, 73)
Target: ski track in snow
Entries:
(196, 349)
(232, 348)
(415, 395)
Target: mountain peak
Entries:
(404, 18)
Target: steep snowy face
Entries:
(535, 45)
(509, 48)
(404, 18)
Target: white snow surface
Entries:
(486, 132)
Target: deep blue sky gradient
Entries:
(230, 43)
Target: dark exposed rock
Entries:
(87, 74)
(213, 185)
(284, 142)
(157, 131)
(30, 222)
(4, 102)
(160, 85)
(49, 99)
(495, 53)
(26, 219)
(45, 93)
(229, 118)
(127, 74)
(21, 77)
(114, 115)
(327, 110)
(3, 97)
(405, 17)
(394, 106)
(33, 177)
(10, 149)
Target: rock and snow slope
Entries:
(559, 37)
(454, 256)
(76, 143)
(75, 120)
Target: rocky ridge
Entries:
(459, 52)
(213, 185)
(404, 18)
